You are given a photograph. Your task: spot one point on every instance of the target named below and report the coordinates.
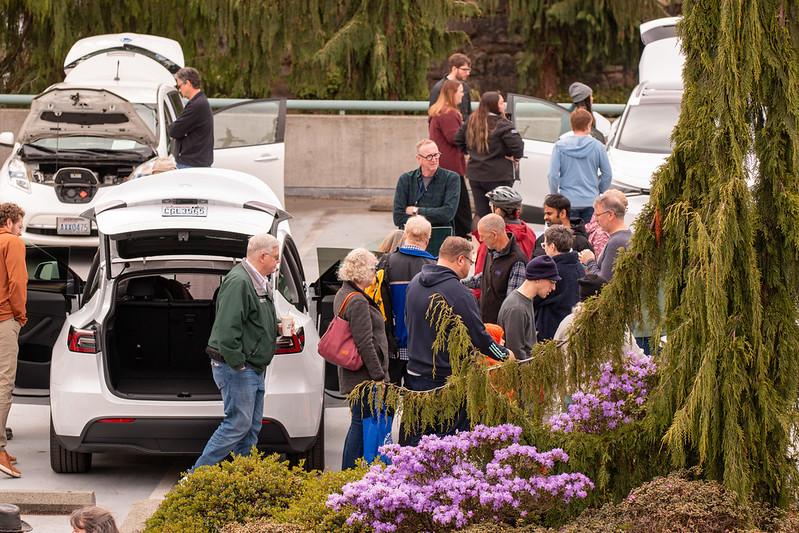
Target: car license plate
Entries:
(73, 226)
(184, 210)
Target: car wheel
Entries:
(315, 455)
(64, 461)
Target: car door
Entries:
(169, 108)
(51, 289)
(540, 123)
(249, 137)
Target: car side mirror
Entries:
(7, 139)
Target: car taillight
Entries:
(82, 340)
(293, 344)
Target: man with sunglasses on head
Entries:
(193, 130)
(430, 191)
(460, 66)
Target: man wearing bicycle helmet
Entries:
(507, 203)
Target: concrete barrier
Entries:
(329, 155)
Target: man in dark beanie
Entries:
(516, 315)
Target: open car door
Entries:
(248, 137)
(540, 123)
(52, 287)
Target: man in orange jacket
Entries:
(13, 296)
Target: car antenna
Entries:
(116, 78)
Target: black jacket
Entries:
(580, 239)
(503, 140)
(443, 282)
(551, 310)
(193, 133)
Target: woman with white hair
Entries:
(357, 272)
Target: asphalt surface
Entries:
(131, 485)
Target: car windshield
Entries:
(648, 128)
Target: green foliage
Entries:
(723, 255)
(321, 48)
(308, 509)
(523, 394)
(607, 30)
(676, 503)
(235, 491)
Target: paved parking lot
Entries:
(121, 480)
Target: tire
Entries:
(64, 461)
(315, 455)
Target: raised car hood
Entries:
(69, 112)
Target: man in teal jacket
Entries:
(242, 344)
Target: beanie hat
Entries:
(579, 91)
(542, 267)
(590, 284)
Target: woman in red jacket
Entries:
(445, 119)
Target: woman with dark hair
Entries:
(445, 119)
(583, 96)
(494, 147)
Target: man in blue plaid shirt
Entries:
(430, 191)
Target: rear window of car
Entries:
(647, 128)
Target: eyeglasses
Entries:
(430, 157)
(471, 261)
(465, 69)
(544, 244)
(602, 213)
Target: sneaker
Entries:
(6, 467)
(9, 434)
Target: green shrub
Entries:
(212, 496)
(308, 510)
(264, 525)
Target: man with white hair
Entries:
(399, 268)
(242, 344)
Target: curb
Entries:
(48, 501)
(141, 511)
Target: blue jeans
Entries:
(461, 422)
(181, 165)
(243, 398)
(353, 442)
(583, 212)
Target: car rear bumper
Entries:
(165, 436)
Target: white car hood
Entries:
(74, 111)
(634, 169)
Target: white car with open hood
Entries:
(129, 370)
(107, 123)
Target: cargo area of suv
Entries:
(156, 337)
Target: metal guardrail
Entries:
(342, 106)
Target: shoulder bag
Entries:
(337, 344)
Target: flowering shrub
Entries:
(613, 398)
(455, 481)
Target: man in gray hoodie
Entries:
(575, 165)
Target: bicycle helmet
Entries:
(504, 197)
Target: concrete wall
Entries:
(329, 155)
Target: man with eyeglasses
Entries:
(242, 344)
(428, 368)
(460, 66)
(430, 191)
(193, 130)
(610, 216)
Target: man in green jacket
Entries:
(242, 344)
